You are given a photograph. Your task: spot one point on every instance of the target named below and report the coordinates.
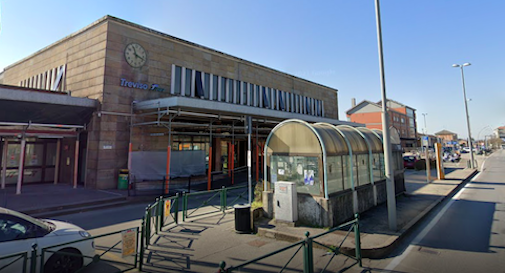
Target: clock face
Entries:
(135, 55)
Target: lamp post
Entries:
(472, 164)
(425, 128)
(388, 158)
(426, 153)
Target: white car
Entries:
(18, 232)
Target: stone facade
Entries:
(95, 64)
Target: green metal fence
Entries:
(14, 262)
(111, 250)
(307, 245)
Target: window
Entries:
(215, 84)
(223, 89)
(177, 82)
(265, 98)
(206, 85)
(281, 101)
(199, 85)
(187, 87)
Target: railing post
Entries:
(142, 245)
(308, 256)
(358, 240)
(176, 209)
(184, 205)
(222, 266)
(148, 226)
(161, 213)
(33, 260)
(156, 214)
(137, 253)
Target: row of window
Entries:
(197, 84)
(52, 79)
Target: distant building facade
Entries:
(401, 117)
(448, 138)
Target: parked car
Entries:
(465, 150)
(18, 232)
(409, 161)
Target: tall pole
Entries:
(249, 180)
(425, 128)
(390, 188)
(472, 161)
(426, 152)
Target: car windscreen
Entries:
(29, 219)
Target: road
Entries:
(465, 234)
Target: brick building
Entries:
(402, 117)
(154, 93)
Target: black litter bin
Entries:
(242, 218)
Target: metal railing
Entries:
(307, 245)
(156, 216)
(115, 252)
(12, 262)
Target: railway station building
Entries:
(117, 95)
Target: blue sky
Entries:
(333, 43)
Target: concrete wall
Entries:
(320, 212)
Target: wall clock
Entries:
(135, 55)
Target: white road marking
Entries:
(396, 261)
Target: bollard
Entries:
(358, 240)
(308, 256)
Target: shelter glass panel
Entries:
(347, 172)
(377, 168)
(363, 169)
(335, 174)
(302, 170)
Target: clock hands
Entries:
(135, 53)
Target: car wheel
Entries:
(61, 262)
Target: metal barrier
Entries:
(21, 257)
(124, 247)
(188, 212)
(308, 244)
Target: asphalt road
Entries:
(464, 234)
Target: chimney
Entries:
(353, 102)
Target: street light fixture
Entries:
(472, 162)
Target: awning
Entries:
(222, 108)
(25, 105)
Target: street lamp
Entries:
(388, 157)
(472, 164)
(425, 128)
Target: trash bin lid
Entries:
(241, 206)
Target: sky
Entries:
(333, 43)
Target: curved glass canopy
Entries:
(323, 159)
